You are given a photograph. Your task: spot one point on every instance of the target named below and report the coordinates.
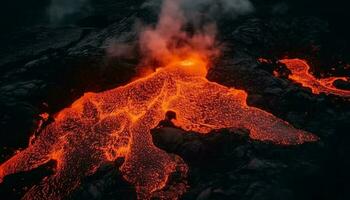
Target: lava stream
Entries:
(300, 73)
(104, 126)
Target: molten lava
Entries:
(300, 73)
(101, 127)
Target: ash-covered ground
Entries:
(53, 52)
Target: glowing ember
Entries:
(101, 127)
(300, 73)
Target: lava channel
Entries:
(101, 127)
(300, 73)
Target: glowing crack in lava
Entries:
(300, 73)
(104, 126)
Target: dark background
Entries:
(47, 62)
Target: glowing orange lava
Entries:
(300, 73)
(104, 126)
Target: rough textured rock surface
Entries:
(47, 65)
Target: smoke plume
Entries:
(187, 26)
(184, 27)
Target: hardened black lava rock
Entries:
(50, 59)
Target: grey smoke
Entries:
(210, 9)
(59, 10)
(233, 8)
(173, 15)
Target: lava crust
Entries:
(104, 126)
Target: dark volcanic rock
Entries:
(46, 66)
(32, 42)
(230, 165)
(106, 183)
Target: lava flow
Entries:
(101, 127)
(300, 73)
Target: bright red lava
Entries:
(101, 127)
(300, 73)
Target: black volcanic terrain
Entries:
(52, 52)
